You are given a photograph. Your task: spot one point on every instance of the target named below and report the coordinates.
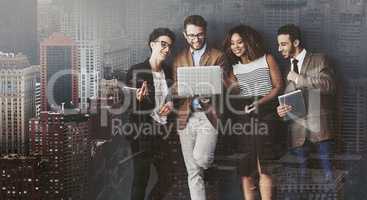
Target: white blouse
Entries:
(161, 92)
(254, 77)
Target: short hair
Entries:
(196, 20)
(293, 31)
(252, 39)
(156, 33)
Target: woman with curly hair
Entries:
(254, 77)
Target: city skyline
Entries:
(100, 40)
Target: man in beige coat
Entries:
(312, 74)
(197, 117)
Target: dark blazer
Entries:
(318, 88)
(210, 57)
(136, 75)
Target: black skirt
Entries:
(258, 135)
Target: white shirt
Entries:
(300, 57)
(196, 57)
(161, 92)
(197, 54)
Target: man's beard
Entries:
(201, 47)
(292, 51)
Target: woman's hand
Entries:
(251, 107)
(166, 108)
(142, 92)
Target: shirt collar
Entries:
(300, 57)
(197, 54)
(200, 51)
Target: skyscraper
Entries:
(280, 12)
(18, 33)
(354, 126)
(116, 56)
(59, 72)
(48, 21)
(315, 26)
(348, 18)
(17, 85)
(106, 108)
(46, 139)
(63, 140)
(20, 177)
(76, 156)
(37, 95)
(349, 23)
(80, 23)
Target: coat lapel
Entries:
(306, 63)
(204, 58)
(189, 57)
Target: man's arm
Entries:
(322, 79)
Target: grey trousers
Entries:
(198, 141)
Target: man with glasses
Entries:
(197, 117)
(151, 105)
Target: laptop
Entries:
(199, 81)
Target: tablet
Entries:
(294, 99)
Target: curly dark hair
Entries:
(254, 43)
(156, 33)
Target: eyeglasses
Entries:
(165, 44)
(193, 36)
